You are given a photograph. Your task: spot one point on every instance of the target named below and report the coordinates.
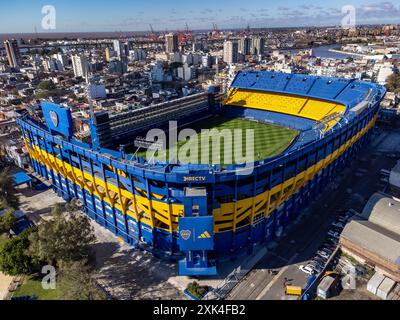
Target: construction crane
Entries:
(153, 36)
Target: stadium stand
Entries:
(297, 106)
(328, 88)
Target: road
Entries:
(301, 241)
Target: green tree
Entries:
(393, 83)
(14, 257)
(47, 85)
(65, 238)
(7, 190)
(7, 220)
(78, 283)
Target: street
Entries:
(351, 191)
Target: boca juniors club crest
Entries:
(185, 234)
(54, 118)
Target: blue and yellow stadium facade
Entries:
(202, 213)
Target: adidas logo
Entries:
(204, 235)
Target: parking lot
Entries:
(306, 245)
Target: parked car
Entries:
(334, 241)
(338, 225)
(334, 234)
(317, 268)
(323, 254)
(308, 269)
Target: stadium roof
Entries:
(383, 211)
(374, 238)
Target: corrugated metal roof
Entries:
(383, 211)
(376, 280)
(374, 238)
(387, 285)
(394, 178)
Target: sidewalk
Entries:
(5, 282)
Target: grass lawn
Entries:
(269, 140)
(32, 286)
(3, 239)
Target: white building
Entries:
(80, 66)
(187, 72)
(52, 65)
(384, 72)
(206, 61)
(62, 58)
(230, 52)
(137, 55)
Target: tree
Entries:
(7, 221)
(7, 190)
(47, 85)
(78, 282)
(14, 257)
(65, 238)
(393, 83)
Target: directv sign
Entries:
(201, 178)
(58, 119)
(196, 233)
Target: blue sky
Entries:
(123, 15)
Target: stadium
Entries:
(306, 129)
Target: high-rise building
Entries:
(80, 65)
(257, 45)
(52, 65)
(109, 54)
(13, 55)
(171, 43)
(244, 46)
(62, 58)
(118, 49)
(206, 61)
(230, 52)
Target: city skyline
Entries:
(123, 15)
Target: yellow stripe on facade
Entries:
(165, 216)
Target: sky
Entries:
(22, 16)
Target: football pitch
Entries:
(269, 140)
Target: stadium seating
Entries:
(328, 88)
(354, 93)
(286, 120)
(271, 80)
(293, 105)
(299, 84)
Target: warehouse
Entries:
(374, 236)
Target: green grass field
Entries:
(269, 140)
(32, 286)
